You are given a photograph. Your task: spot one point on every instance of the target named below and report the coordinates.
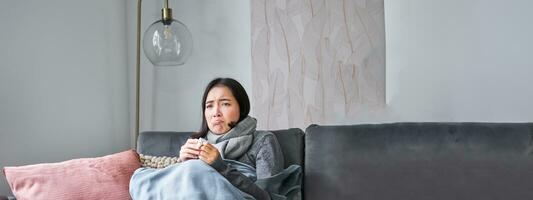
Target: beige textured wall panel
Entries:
(316, 61)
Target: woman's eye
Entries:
(208, 106)
(226, 104)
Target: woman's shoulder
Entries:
(265, 140)
(264, 136)
(267, 149)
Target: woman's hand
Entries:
(189, 150)
(209, 153)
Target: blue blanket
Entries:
(194, 179)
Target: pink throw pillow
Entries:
(104, 177)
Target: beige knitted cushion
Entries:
(157, 162)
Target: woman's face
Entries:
(221, 109)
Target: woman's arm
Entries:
(268, 161)
(269, 158)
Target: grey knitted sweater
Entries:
(260, 150)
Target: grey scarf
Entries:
(238, 140)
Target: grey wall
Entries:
(459, 60)
(446, 61)
(171, 96)
(63, 81)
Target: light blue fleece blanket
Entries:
(194, 179)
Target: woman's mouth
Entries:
(217, 122)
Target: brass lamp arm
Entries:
(138, 73)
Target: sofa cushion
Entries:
(292, 145)
(104, 177)
(419, 161)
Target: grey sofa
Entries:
(399, 161)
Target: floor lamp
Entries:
(166, 42)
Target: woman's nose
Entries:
(217, 112)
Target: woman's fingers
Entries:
(208, 153)
(187, 156)
(204, 147)
(206, 158)
(202, 157)
(191, 142)
(189, 146)
(206, 150)
(190, 151)
(186, 153)
(193, 149)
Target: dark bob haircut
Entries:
(238, 92)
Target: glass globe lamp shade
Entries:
(167, 43)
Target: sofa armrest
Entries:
(159, 143)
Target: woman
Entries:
(231, 134)
(222, 160)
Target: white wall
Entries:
(459, 60)
(171, 97)
(63, 81)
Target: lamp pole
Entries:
(138, 74)
(169, 44)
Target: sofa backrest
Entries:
(419, 161)
(292, 145)
(160, 143)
